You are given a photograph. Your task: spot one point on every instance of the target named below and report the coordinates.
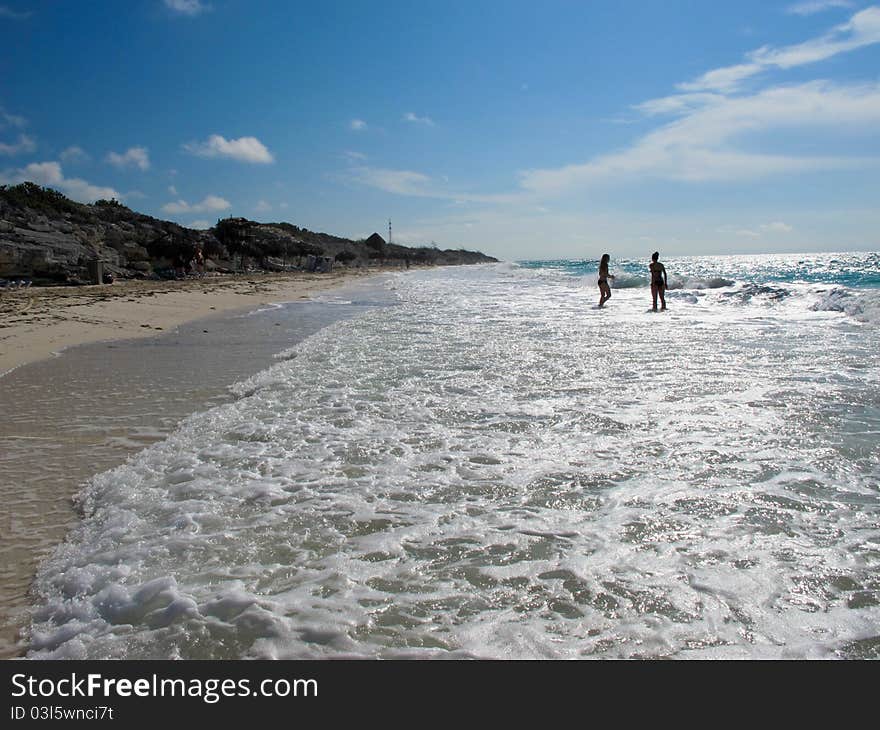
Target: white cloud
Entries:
(862, 29)
(50, 174)
(187, 7)
(701, 145)
(357, 125)
(200, 225)
(262, 207)
(209, 204)
(85, 192)
(74, 154)
(417, 184)
(172, 190)
(410, 117)
(243, 149)
(706, 140)
(402, 182)
(132, 157)
(24, 144)
(41, 173)
(811, 7)
(710, 135)
(722, 79)
(676, 104)
(777, 227)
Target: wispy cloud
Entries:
(262, 207)
(210, 203)
(172, 190)
(6, 12)
(711, 132)
(74, 154)
(24, 144)
(862, 29)
(426, 120)
(706, 141)
(759, 231)
(50, 174)
(200, 225)
(725, 79)
(357, 125)
(420, 185)
(777, 227)
(243, 149)
(811, 7)
(132, 157)
(676, 104)
(187, 7)
(402, 182)
(14, 120)
(705, 144)
(701, 145)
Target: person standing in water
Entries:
(659, 281)
(604, 276)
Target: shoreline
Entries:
(79, 415)
(39, 323)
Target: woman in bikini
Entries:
(659, 281)
(604, 276)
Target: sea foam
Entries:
(493, 468)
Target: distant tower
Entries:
(389, 230)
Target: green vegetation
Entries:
(54, 237)
(45, 200)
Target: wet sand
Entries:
(68, 418)
(37, 322)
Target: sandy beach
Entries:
(156, 351)
(37, 322)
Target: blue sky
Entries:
(522, 129)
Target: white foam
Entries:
(862, 305)
(493, 469)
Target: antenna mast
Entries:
(389, 230)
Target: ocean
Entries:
(479, 462)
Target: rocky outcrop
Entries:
(47, 238)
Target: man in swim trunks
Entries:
(659, 281)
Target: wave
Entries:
(863, 306)
(629, 281)
(695, 282)
(761, 292)
(418, 479)
(632, 281)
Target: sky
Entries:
(559, 129)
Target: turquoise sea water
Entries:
(858, 270)
(484, 464)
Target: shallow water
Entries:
(491, 467)
(70, 417)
